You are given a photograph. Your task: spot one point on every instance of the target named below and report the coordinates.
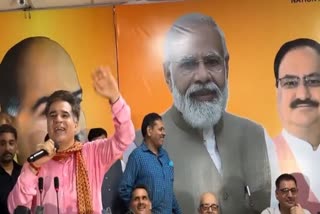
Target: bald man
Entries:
(208, 204)
(30, 71)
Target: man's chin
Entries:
(141, 211)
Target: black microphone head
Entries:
(40, 183)
(22, 210)
(56, 183)
(37, 155)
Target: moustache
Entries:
(7, 153)
(308, 102)
(202, 89)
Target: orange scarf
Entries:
(82, 180)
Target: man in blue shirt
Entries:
(150, 165)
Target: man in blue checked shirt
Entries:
(150, 165)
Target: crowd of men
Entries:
(196, 157)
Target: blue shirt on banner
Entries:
(154, 171)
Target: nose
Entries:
(303, 92)
(290, 193)
(58, 118)
(202, 74)
(7, 146)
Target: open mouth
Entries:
(141, 207)
(204, 95)
(59, 130)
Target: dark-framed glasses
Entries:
(291, 82)
(207, 207)
(286, 191)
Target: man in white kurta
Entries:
(297, 73)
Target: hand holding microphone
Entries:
(45, 152)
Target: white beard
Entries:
(199, 114)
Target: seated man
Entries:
(140, 202)
(286, 194)
(208, 204)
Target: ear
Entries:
(76, 121)
(149, 129)
(167, 74)
(226, 60)
(76, 126)
(199, 211)
(277, 195)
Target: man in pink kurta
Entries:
(98, 156)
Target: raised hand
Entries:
(105, 84)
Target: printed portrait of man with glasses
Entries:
(287, 195)
(297, 74)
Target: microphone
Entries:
(56, 183)
(39, 154)
(40, 184)
(22, 210)
(40, 187)
(56, 187)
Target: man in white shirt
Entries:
(297, 74)
(287, 194)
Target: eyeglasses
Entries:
(287, 190)
(211, 62)
(207, 207)
(291, 82)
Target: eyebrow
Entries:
(54, 112)
(288, 76)
(44, 99)
(294, 76)
(211, 54)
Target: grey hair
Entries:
(181, 26)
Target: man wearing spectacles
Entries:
(297, 74)
(208, 204)
(218, 151)
(286, 194)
